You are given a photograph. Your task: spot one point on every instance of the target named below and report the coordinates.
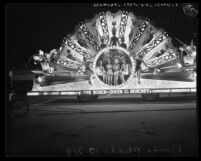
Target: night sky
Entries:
(30, 27)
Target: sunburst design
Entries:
(122, 31)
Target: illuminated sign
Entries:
(113, 92)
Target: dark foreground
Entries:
(115, 126)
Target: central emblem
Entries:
(113, 66)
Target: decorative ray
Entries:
(154, 43)
(162, 60)
(79, 50)
(139, 34)
(68, 63)
(104, 26)
(89, 36)
(123, 22)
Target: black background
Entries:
(33, 26)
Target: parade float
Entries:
(115, 53)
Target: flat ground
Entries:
(110, 126)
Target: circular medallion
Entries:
(113, 67)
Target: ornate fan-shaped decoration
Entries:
(109, 43)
